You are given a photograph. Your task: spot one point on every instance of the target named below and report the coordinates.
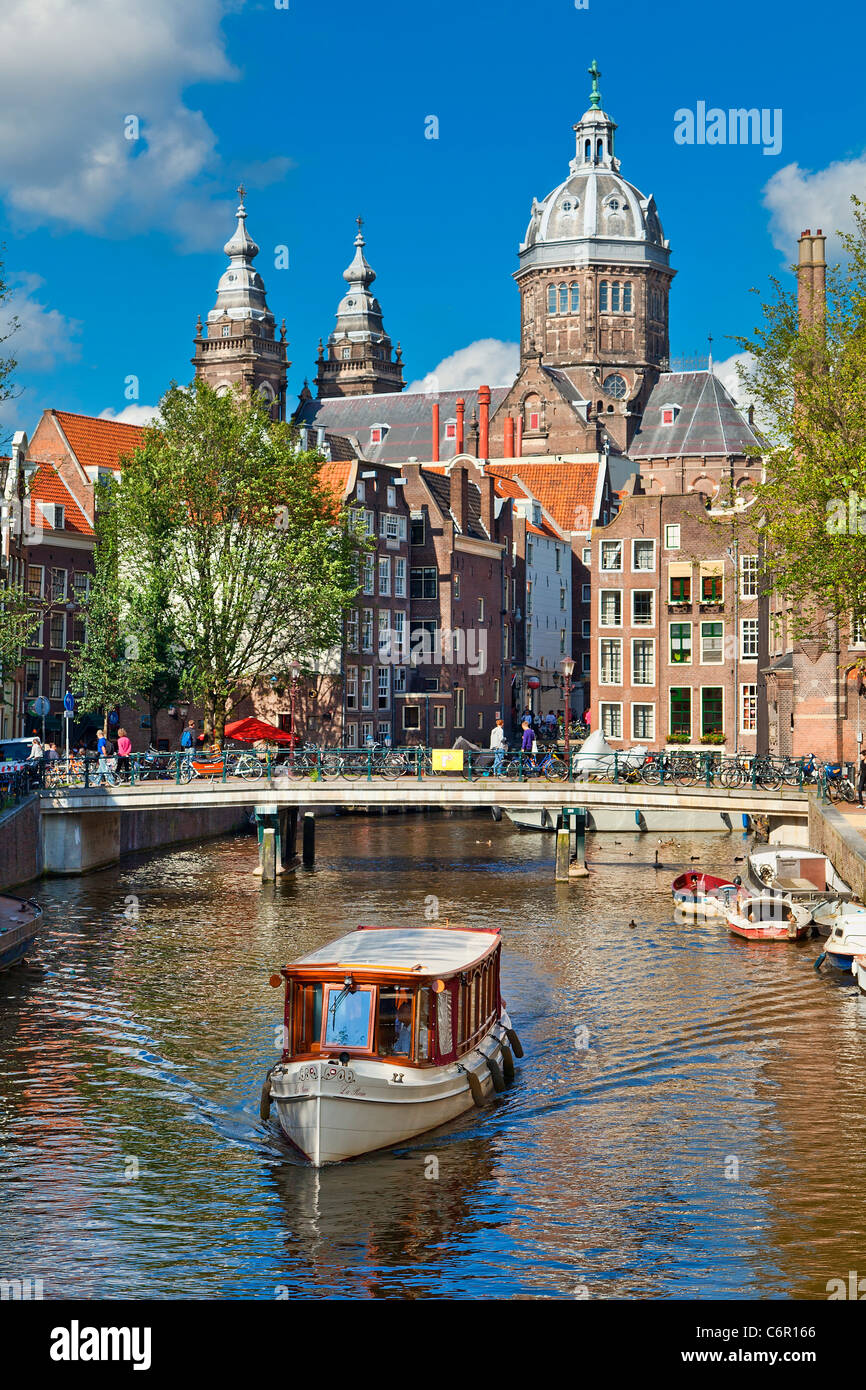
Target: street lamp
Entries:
(294, 672)
(567, 665)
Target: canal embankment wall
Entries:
(21, 856)
(36, 839)
(832, 834)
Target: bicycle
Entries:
(373, 760)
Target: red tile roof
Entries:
(335, 478)
(565, 490)
(98, 443)
(46, 485)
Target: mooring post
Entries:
(563, 851)
(268, 854)
(578, 867)
(309, 838)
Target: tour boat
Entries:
(797, 875)
(702, 895)
(846, 924)
(389, 1032)
(20, 922)
(766, 918)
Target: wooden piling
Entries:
(308, 851)
(563, 854)
(268, 854)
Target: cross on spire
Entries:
(360, 221)
(242, 192)
(595, 95)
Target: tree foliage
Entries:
(231, 559)
(809, 383)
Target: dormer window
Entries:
(669, 414)
(377, 433)
(53, 514)
(450, 429)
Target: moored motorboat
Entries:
(389, 1032)
(767, 918)
(20, 923)
(703, 895)
(794, 874)
(846, 924)
(858, 970)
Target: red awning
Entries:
(251, 730)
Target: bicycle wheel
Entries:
(730, 774)
(555, 768)
(353, 766)
(848, 790)
(651, 773)
(511, 769)
(249, 768)
(769, 778)
(392, 766)
(684, 771)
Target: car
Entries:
(14, 752)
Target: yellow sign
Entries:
(447, 759)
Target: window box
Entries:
(715, 606)
(679, 738)
(714, 738)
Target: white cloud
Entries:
(44, 336)
(487, 362)
(728, 375)
(132, 414)
(799, 198)
(71, 75)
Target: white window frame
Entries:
(399, 683)
(352, 689)
(400, 577)
(366, 687)
(669, 543)
(385, 573)
(586, 593)
(643, 569)
(609, 569)
(753, 726)
(643, 738)
(634, 680)
(586, 628)
(606, 705)
(752, 625)
(602, 595)
(383, 688)
(366, 629)
(749, 571)
(601, 642)
(587, 556)
(635, 622)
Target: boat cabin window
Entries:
(477, 1003)
(348, 1017)
(307, 1016)
(394, 1036)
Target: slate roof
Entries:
(565, 490)
(440, 486)
(98, 443)
(708, 422)
(409, 416)
(565, 386)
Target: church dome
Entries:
(241, 290)
(594, 204)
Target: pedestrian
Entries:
(187, 738)
(36, 750)
(861, 778)
(124, 748)
(51, 753)
(103, 748)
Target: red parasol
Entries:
(250, 730)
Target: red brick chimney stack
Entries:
(509, 437)
(461, 408)
(459, 498)
(484, 413)
(434, 452)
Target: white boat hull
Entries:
(858, 970)
(332, 1112)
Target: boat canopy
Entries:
(421, 950)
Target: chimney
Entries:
(461, 407)
(434, 452)
(509, 437)
(487, 509)
(459, 499)
(484, 411)
(519, 453)
(811, 277)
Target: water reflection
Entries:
(687, 1120)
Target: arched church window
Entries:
(602, 296)
(587, 150)
(616, 386)
(599, 148)
(551, 299)
(563, 299)
(626, 297)
(614, 297)
(575, 296)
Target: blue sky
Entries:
(115, 246)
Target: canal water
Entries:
(689, 1120)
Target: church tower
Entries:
(240, 344)
(594, 276)
(358, 360)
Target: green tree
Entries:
(809, 383)
(223, 519)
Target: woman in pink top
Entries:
(124, 748)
